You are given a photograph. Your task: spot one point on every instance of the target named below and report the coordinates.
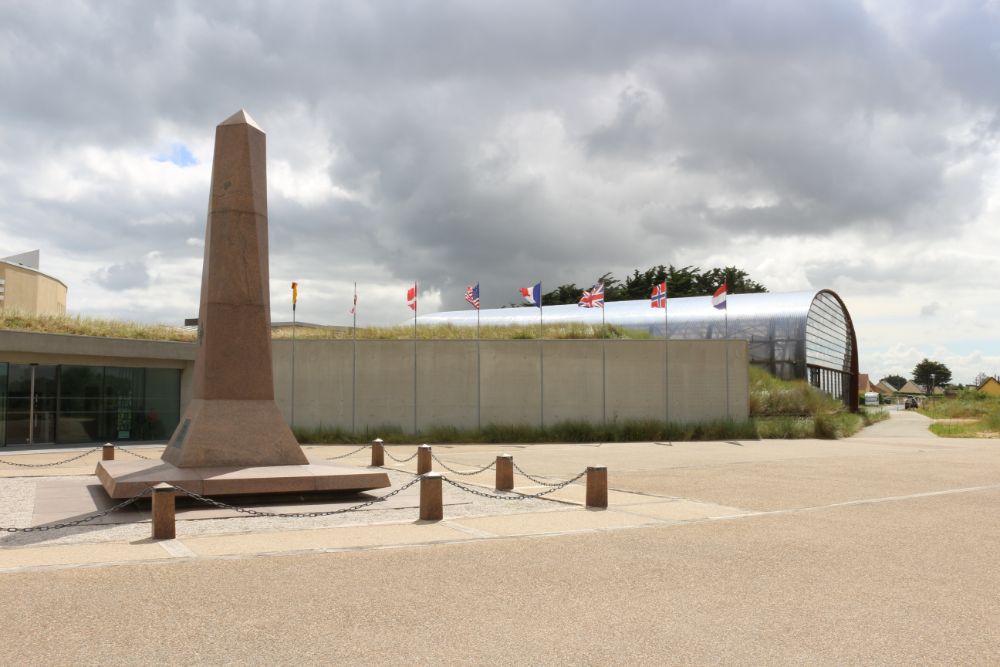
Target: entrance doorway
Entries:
(31, 404)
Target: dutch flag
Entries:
(719, 298)
(533, 295)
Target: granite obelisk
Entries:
(232, 418)
(232, 439)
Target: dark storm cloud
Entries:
(504, 142)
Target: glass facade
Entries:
(68, 404)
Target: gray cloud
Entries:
(127, 275)
(504, 142)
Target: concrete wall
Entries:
(30, 291)
(371, 384)
(519, 382)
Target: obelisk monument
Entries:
(232, 418)
(232, 438)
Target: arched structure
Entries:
(794, 335)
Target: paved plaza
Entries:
(878, 549)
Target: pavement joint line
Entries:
(475, 532)
(177, 548)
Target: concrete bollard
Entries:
(164, 525)
(431, 505)
(108, 452)
(378, 452)
(597, 486)
(505, 472)
(424, 459)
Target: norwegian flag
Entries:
(659, 296)
(411, 297)
(472, 295)
(593, 298)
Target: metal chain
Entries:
(77, 522)
(344, 456)
(135, 454)
(49, 465)
(459, 472)
(535, 479)
(295, 515)
(387, 453)
(517, 494)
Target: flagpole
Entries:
(604, 367)
(728, 415)
(354, 360)
(666, 356)
(415, 304)
(541, 356)
(294, 299)
(479, 367)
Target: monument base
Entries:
(124, 479)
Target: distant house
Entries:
(990, 386)
(912, 388)
(865, 384)
(885, 388)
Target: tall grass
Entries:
(981, 408)
(13, 320)
(566, 431)
(568, 331)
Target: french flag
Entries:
(533, 295)
(719, 298)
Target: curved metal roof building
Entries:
(794, 335)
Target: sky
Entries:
(846, 145)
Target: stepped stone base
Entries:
(124, 479)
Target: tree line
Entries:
(681, 282)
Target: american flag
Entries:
(472, 295)
(659, 297)
(593, 298)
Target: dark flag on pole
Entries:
(472, 295)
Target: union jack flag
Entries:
(472, 295)
(593, 298)
(659, 297)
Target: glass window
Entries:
(22, 404)
(123, 399)
(163, 403)
(3, 403)
(80, 404)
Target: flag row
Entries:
(592, 298)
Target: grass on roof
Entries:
(12, 320)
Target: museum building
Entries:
(793, 335)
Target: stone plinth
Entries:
(124, 479)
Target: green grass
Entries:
(982, 409)
(13, 320)
(567, 431)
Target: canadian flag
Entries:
(411, 297)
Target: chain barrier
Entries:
(535, 479)
(517, 494)
(344, 456)
(77, 522)
(468, 473)
(50, 465)
(135, 454)
(294, 515)
(406, 460)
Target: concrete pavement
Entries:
(878, 549)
